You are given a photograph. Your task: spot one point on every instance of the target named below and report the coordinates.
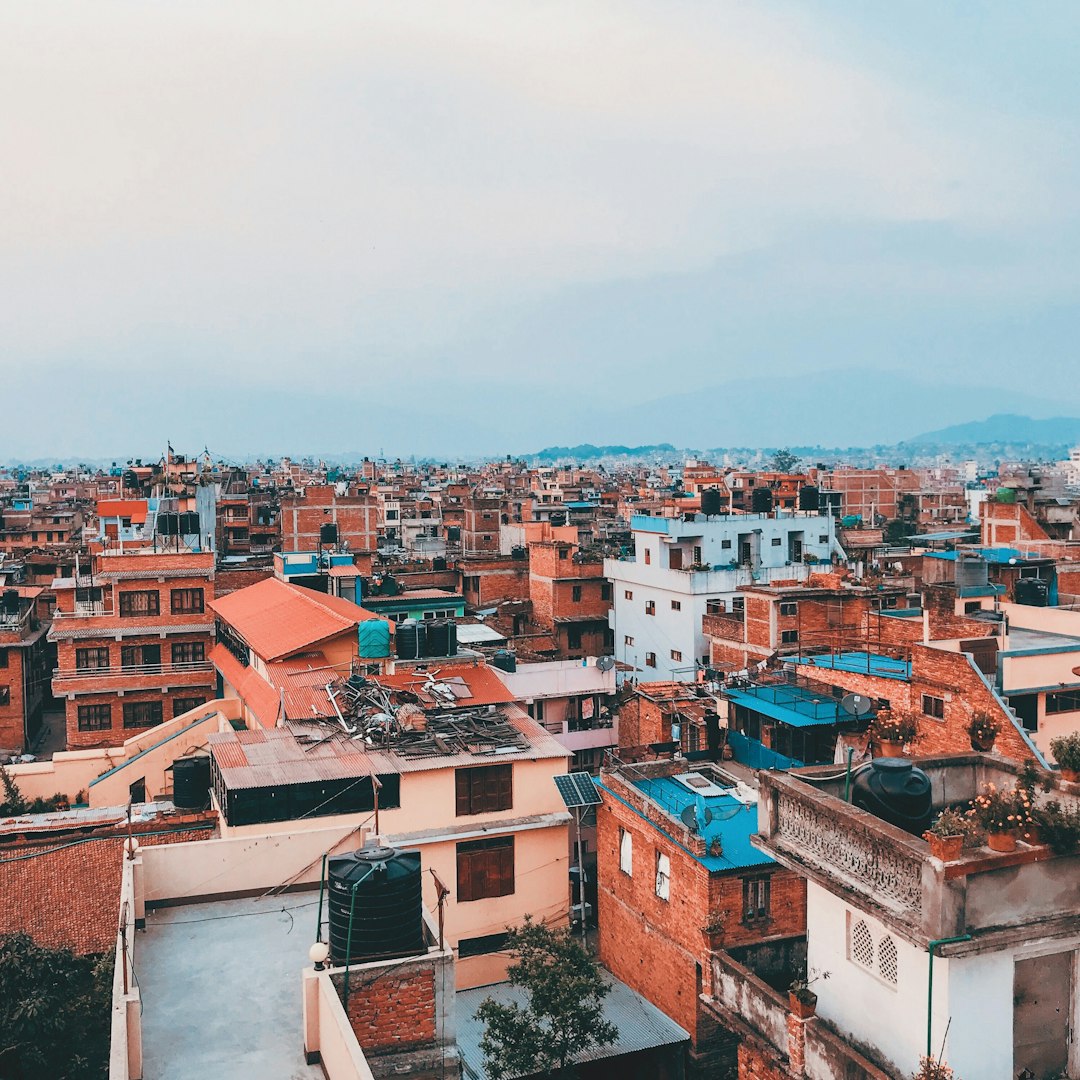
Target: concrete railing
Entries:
(125, 1048)
(740, 991)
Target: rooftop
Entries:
(208, 972)
(1036, 641)
(794, 704)
(865, 663)
(641, 1025)
(730, 818)
(277, 619)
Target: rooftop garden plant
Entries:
(983, 729)
(893, 726)
(1066, 751)
(946, 835)
(1059, 826)
(1005, 814)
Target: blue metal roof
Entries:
(918, 539)
(733, 831)
(791, 704)
(999, 556)
(641, 1025)
(859, 663)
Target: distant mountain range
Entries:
(1006, 428)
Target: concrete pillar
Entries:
(310, 985)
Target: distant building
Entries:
(682, 566)
(24, 668)
(133, 640)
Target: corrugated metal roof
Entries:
(641, 1025)
(265, 757)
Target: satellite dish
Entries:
(691, 819)
(605, 663)
(855, 704)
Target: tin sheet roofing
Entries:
(277, 619)
(641, 1025)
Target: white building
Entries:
(686, 567)
(977, 960)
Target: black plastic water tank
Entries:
(809, 498)
(386, 916)
(407, 640)
(453, 533)
(711, 502)
(451, 638)
(761, 502)
(191, 782)
(11, 602)
(328, 532)
(896, 791)
(438, 563)
(438, 637)
(505, 660)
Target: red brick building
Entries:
(570, 597)
(133, 640)
(24, 668)
(303, 515)
(670, 893)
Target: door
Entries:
(1042, 999)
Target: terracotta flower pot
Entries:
(945, 848)
(804, 1004)
(1001, 841)
(890, 749)
(1072, 775)
(983, 746)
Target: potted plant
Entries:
(931, 1069)
(1059, 827)
(1066, 751)
(891, 730)
(714, 929)
(946, 836)
(983, 729)
(801, 999)
(1004, 814)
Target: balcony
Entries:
(17, 622)
(855, 855)
(85, 609)
(135, 676)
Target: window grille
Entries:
(862, 945)
(887, 959)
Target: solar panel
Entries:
(577, 789)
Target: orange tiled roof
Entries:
(68, 896)
(277, 619)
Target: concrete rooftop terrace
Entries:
(220, 986)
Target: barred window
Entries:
(887, 959)
(862, 945)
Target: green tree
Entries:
(783, 461)
(565, 1013)
(54, 1012)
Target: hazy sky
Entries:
(463, 226)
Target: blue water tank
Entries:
(374, 639)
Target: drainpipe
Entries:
(930, 986)
(847, 774)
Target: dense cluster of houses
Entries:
(781, 688)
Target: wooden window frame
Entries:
(190, 601)
(757, 899)
(153, 603)
(82, 653)
(485, 869)
(180, 648)
(131, 710)
(483, 789)
(97, 717)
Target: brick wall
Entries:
(939, 603)
(392, 1010)
(12, 724)
(757, 1063)
(657, 946)
(303, 515)
(484, 582)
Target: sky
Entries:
(485, 227)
